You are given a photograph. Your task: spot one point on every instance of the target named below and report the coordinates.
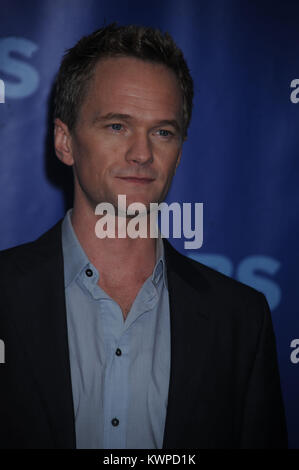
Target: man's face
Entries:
(128, 136)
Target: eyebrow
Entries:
(127, 117)
(109, 116)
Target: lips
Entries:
(134, 179)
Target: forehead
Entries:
(133, 86)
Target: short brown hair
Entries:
(141, 42)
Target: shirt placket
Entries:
(116, 381)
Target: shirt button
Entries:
(115, 422)
(118, 352)
(88, 272)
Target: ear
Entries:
(62, 142)
(180, 154)
(178, 159)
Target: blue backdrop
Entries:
(241, 157)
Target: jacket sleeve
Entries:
(264, 423)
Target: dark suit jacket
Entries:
(224, 387)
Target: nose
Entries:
(140, 149)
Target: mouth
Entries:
(134, 179)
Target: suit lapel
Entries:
(190, 331)
(43, 330)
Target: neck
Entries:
(135, 255)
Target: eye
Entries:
(164, 133)
(116, 126)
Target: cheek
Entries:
(166, 162)
(91, 160)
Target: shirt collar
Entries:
(76, 260)
(160, 266)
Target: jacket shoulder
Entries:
(27, 255)
(198, 272)
(228, 300)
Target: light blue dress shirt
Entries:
(119, 369)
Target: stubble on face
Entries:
(128, 136)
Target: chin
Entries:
(144, 202)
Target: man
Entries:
(124, 342)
